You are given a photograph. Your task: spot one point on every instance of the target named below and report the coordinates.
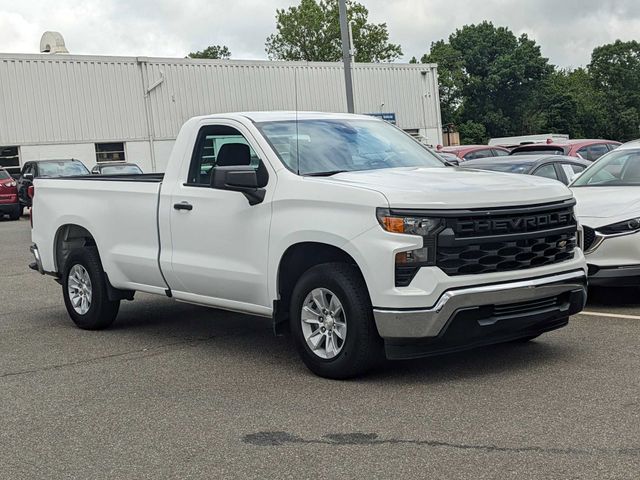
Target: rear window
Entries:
(508, 168)
(536, 150)
(61, 169)
(4, 175)
(120, 170)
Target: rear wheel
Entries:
(332, 322)
(85, 291)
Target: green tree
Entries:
(488, 76)
(311, 31)
(615, 73)
(570, 103)
(451, 76)
(213, 52)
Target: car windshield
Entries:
(120, 169)
(619, 168)
(4, 175)
(325, 147)
(62, 169)
(504, 167)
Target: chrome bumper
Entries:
(37, 265)
(429, 322)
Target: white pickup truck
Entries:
(341, 228)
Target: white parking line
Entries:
(610, 315)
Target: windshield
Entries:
(504, 167)
(62, 169)
(4, 175)
(324, 147)
(120, 169)
(619, 168)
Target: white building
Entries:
(100, 108)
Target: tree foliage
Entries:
(311, 31)
(495, 84)
(214, 52)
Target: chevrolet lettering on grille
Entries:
(517, 224)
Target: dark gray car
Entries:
(557, 167)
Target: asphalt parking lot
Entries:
(177, 391)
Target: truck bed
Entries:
(119, 211)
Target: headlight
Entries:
(425, 227)
(628, 226)
(422, 226)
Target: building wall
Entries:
(60, 105)
(80, 151)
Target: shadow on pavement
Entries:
(251, 339)
(614, 297)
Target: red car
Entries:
(9, 203)
(588, 149)
(471, 152)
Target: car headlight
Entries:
(628, 226)
(425, 227)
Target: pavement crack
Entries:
(278, 438)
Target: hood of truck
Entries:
(454, 188)
(600, 206)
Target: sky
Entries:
(566, 30)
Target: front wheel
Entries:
(84, 288)
(332, 322)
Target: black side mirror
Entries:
(28, 176)
(241, 179)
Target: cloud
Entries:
(566, 30)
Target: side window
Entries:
(219, 145)
(478, 154)
(584, 153)
(499, 153)
(597, 150)
(547, 171)
(571, 170)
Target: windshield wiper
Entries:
(325, 174)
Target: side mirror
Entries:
(241, 179)
(28, 176)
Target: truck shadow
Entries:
(250, 339)
(613, 297)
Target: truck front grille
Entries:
(502, 240)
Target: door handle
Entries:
(183, 206)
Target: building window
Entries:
(10, 159)
(110, 152)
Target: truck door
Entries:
(219, 242)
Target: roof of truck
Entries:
(278, 116)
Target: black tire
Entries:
(362, 348)
(16, 214)
(102, 311)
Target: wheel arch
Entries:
(67, 238)
(294, 262)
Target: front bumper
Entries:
(616, 276)
(468, 317)
(9, 208)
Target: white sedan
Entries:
(608, 195)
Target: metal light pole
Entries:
(346, 54)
